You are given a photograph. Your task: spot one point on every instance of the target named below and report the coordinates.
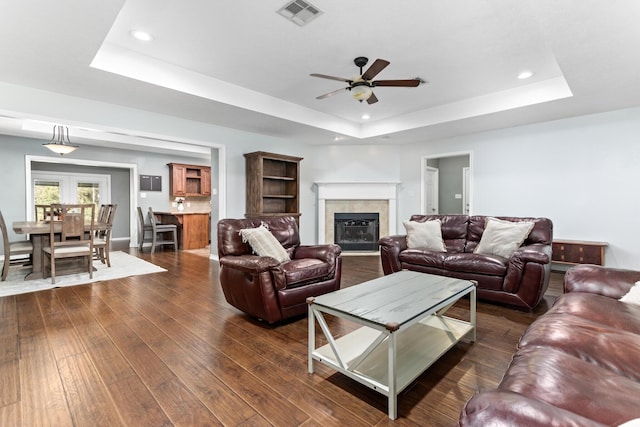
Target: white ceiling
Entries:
(243, 66)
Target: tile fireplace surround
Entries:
(355, 197)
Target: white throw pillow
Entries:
(264, 243)
(631, 423)
(502, 238)
(426, 234)
(633, 296)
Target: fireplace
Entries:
(357, 231)
(339, 197)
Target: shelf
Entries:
(279, 178)
(417, 348)
(272, 184)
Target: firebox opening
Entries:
(357, 231)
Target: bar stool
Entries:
(160, 231)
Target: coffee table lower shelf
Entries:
(417, 348)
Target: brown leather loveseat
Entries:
(519, 280)
(266, 288)
(576, 365)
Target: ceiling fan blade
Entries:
(374, 69)
(372, 99)
(323, 76)
(397, 83)
(335, 92)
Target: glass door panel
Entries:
(59, 187)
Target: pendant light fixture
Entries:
(60, 142)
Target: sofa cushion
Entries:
(476, 263)
(600, 309)
(425, 234)
(423, 257)
(502, 237)
(612, 349)
(300, 271)
(453, 228)
(264, 243)
(570, 383)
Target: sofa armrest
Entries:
(390, 248)
(535, 252)
(528, 274)
(596, 279)
(327, 253)
(505, 408)
(250, 264)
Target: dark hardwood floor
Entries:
(166, 349)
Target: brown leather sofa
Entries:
(519, 281)
(265, 288)
(577, 365)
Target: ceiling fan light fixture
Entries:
(361, 92)
(60, 143)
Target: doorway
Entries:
(61, 187)
(447, 184)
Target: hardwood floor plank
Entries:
(130, 395)
(193, 357)
(167, 349)
(176, 400)
(9, 382)
(88, 399)
(10, 415)
(42, 394)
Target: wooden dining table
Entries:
(39, 232)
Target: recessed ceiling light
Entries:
(141, 35)
(366, 117)
(525, 75)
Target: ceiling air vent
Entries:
(299, 12)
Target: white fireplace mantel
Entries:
(356, 191)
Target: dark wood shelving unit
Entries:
(272, 184)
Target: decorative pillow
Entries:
(633, 296)
(264, 243)
(502, 238)
(631, 423)
(426, 234)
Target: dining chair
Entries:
(144, 230)
(43, 212)
(75, 228)
(17, 248)
(102, 233)
(160, 231)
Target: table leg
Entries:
(472, 309)
(392, 396)
(38, 241)
(312, 337)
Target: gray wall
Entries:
(450, 183)
(119, 190)
(13, 170)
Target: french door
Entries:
(60, 187)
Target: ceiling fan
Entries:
(361, 86)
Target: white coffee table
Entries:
(404, 329)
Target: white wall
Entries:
(582, 173)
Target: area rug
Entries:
(122, 265)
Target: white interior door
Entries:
(431, 178)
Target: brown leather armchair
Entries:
(265, 288)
